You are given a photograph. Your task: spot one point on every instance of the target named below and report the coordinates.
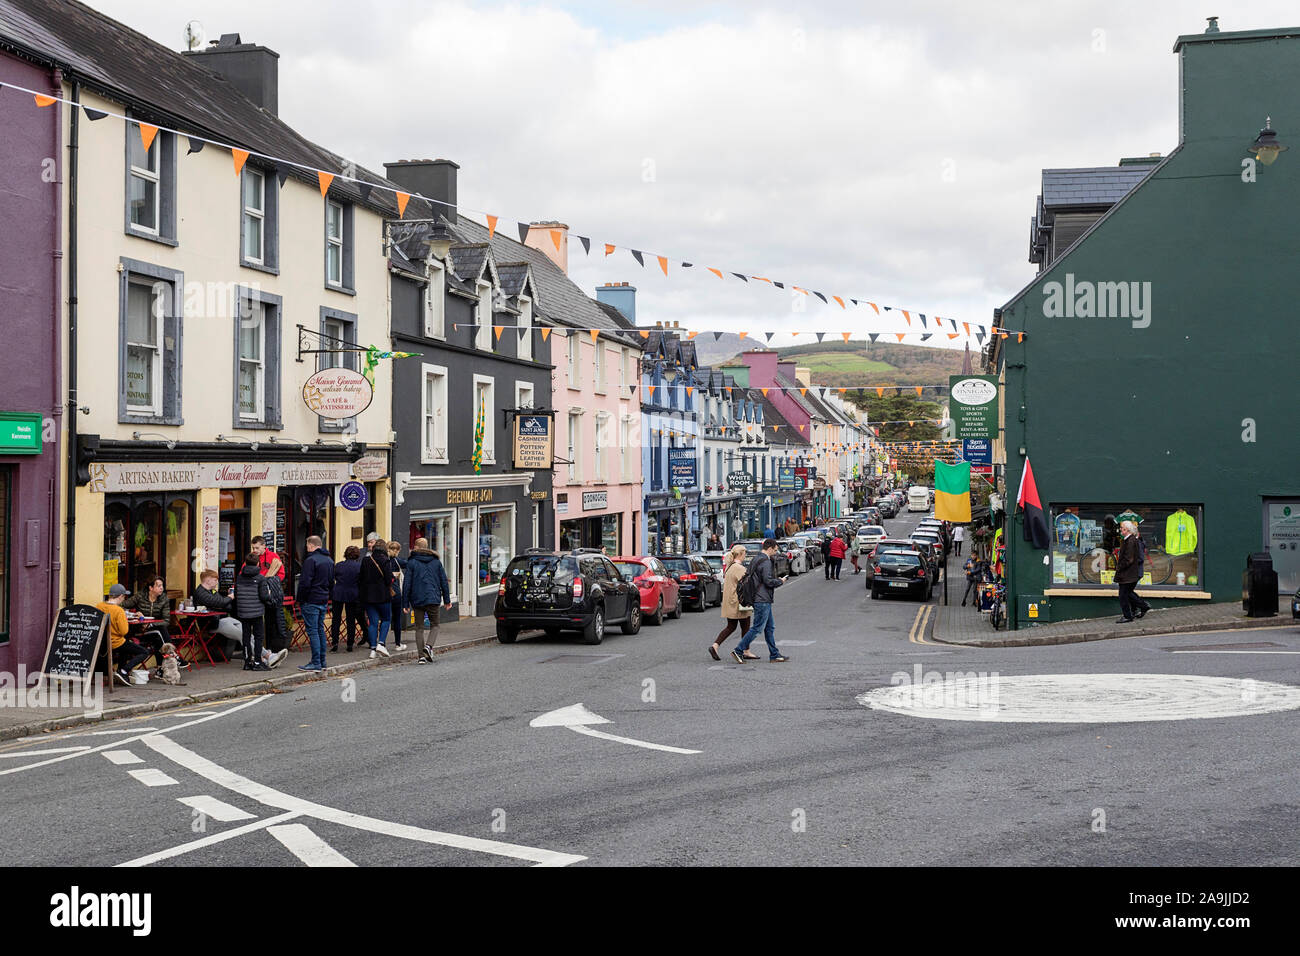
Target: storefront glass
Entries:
(176, 549)
(148, 536)
(439, 530)
(301, 512)
(1086, 540)
(609, 534)
(496, 545)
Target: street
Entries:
(438, 765)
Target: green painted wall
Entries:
(1110, 413)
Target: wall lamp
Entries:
(277, 440)
(171, 442)
(1266, 148)
(238, 441)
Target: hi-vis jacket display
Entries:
(1180, 533)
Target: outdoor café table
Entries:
(137, 625)
(190, 633)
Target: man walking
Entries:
(826, 556)
(424, 589)
(763, 569)
(837, 556)
(314, 585)
(958, 536)
(1128, 572)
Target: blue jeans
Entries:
(763, 621)
(313, 615)
(378, 619)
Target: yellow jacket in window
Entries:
(1180, 533)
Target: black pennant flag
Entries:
(873, 336)
(282, 173)
(855, 301)
(979, 337)
(523, 231)
(586, 244)
(769, 335)
(636, 254)
(687, 265)
(927, 336)
(887, 308)
(523, 331)
(365, 189)
(820, 296)
(716, 336)
(922, 315)
(93, 115)
(742, 278)
(196, 145)
(820, 336)
(779, 285)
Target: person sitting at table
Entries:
(153, 602)
(208, 598)
(128, 654)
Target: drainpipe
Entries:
(56, 327)
(71, 483)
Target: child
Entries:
(252, 598)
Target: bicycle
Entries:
(998, 612)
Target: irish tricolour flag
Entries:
(952, 492)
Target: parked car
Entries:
(1295, 605)
(901, 572)
(873, 515)
(715, 560)
(932, 539)
(699, 587)
(867, 537)
(813, 546)
(578, 590)
(780, 563)
(888, 508)
(899, 544)
(795, 554)
(660, 594)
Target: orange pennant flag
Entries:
(325, 179)
(716, 272)
(609, 249)
(794, 335)
(910, 424)
(651, 390)
(645, 333)
(555, 238)
(761, 279)
(966, 326)
(802, 427)
(240, 157)
(953, 335)
(492, 226)
(1004, 335)
(901, 335)
(764, 391)
(874, 306)
(147, 133)
(496, 330)
(907, 316)
(840, 301)
(594, 333)
(691, 335)
(402, 200)
(843, 390)
(690, 390)
(846, 335)
(743, 334)
(880, 392)
(43, 101)
(776, 427)
(918, 389)
(803, 391)
(1020, 336)
(663, 263)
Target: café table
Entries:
(190, 633)
(137, 625)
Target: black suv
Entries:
(555, 591)
(699, 586)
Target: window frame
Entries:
(483, 314)
(598, 367)
(520, 386)
(435, 302)
(272, 355)
(1057, 508)
(168, 411)
(428, 454)
(600, 459)
(259, 365)
(574, 443)
(525, 347)
(164, 179)
(489, 417)
(346, 283)
(350, 360)
(573, 354)
(270, 221)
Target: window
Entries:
(433, 441)
(339, 333)
(338, 246)
(496, 545)
(524, 395)
(575, 469)
(574, 351)
(622, 368)
(438, 528)
(708, 479)
(484, 408)
(600, 455)
(150, 186)
(149, 337)
(627, 447)
(148, 536)
(259, 207)
(483, 320)
(526, 322)
(435, 312)
(598, 377)
(257, 359)
(1086, 541)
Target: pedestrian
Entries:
(837, 556)
(424, 589)
(853, 556)
(252, 597)
(715, 543)
(1128, 572)
(152, 602)
(275, 647)
(762, 620)
(974, 576)
(826, 556)
(735, 614)
(375, 586)
(399, 570)
(314, 586)
(958, 536)
(128, 654)
(345, 597)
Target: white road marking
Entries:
(1194, 651)
(578, 718)
(110, 733)
(307, 846)
(208, 841)
(1083, 698)
(140, 736)
(120, 757)
(219, 810)
(33, 753)
(282, 801)
(152, 778)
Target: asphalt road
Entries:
(435, 765)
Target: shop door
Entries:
(467, 555)
(1282, 541)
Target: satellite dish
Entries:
(194, 35)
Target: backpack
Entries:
(747, 589)
(1142, 552)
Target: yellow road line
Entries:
(917, 634)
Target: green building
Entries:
(1158, 370)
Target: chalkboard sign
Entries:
(74, 643)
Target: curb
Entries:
(272, 686)
(1233, 624)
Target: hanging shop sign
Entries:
(785, 478)
(534, 445)
(352, 495)
(595, 500)
(681, 467)
(740, 481)
(800, 477)
(974, 405)
(370, 468)
(819, 484)
(113, 477)
(337, 393)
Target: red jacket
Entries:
(837, 547)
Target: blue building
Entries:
(671, 392)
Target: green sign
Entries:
(973, 406)
(20, 433)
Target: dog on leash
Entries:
(169, 672)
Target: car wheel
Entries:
(507, 634)
(677, 608)
(875, 595)
(633, 622)
(594, 632)
(657, 617)
(698, 604)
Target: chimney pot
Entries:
(539, 238)
(251, 69)
(433, 179)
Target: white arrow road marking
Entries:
(208, 840)
(121, 757)
(307, 846)
(152, 778)
(578, 718)
(34, 753)
(219, 810)
(298, 807)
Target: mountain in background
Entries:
(846, 363)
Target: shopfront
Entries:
(149, 535)
(672, 523)
(717, 517)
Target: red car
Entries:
(660, 594)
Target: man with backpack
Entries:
(756, 590)
(1128, 572)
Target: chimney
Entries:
(787, 369)
(431, 178)
(251, 69)
(621, 296)
(543, 235)
(803, 375)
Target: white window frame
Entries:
(435, 303)
(510, 509)
(574, 439)
(483, 320)
(256, 310)
(626, 445)
(523, 389)
(574, 346)
(598, 366)
(254, 216)
(437, 416)
(622, 368)
(153, 177)
(489, 417)
(526, 322)
(157, 292)
(334, 242)
(336, 332)
(600, 457)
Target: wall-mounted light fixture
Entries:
(1266, 147)
(171, 442)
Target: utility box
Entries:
(1259, 586)
(1034, 609)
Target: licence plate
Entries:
(898, 584)
(540, 594)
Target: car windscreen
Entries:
(634, 568)
(542, 570)
(873, 530)
(898, 559)
(677, 564)
(753, 547)
(715, 562)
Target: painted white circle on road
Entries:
(1081, 698)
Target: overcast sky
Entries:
(886, 151)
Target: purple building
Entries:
(31, 317)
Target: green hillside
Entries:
(863, 363)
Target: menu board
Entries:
(74, 643)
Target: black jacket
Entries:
(1128, 567)
(346, 581)
(425, 582)
(316, 578)
(376, 580)
(768, 582)
(211, 600)
(251, 593)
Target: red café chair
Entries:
(298, 639)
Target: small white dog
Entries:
(169, 672)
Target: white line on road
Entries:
(208, 840)
(152, 778)
(635, 743)
(1193, 651)
(307, 846)
(110, 733)
(219, 810)
(274, 798)
(33, 753)
(578, 718)
(121, 757)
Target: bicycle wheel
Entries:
(997, 617)
(1160, 566)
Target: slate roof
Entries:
(164, 87)
(792, 391)
(469, 261)
(615, 314)
(786, 433)
(1098, 186)
(513, 276)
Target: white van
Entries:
(918, 498)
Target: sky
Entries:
(889, 152)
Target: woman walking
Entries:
(376, 592)
(732, 612)
(346, 597)
(399, 570)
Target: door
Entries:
(467, 558)
(1282, 541)
(616, 590)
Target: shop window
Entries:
(1086, 541)
(148, 536)
(6, 519)
(308, 511)
(496, 545)
(610, 538)
(439, 530)
(176, 551)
